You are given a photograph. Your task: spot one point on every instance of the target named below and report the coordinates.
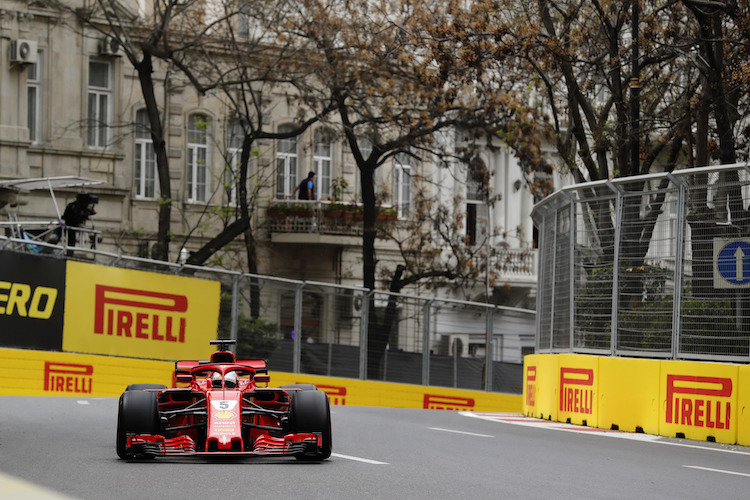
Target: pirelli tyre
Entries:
(143, 387)
(311, 412)
(139, 414)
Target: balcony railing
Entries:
(323, 217)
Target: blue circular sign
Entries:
(733, 262)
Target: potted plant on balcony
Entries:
(334, 210)
(300, 210)
(276, 209)
(387, 214)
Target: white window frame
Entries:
(322, 162)
(287, 161)
(146, 178)
(34, 100)
(99, 109)
(402, 184)
(235, 137)
(198, 160)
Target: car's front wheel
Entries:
(138, 414)
(311, 412)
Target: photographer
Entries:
(77, 213)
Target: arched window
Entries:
(146, 178)
(286, 163)
(197, 158)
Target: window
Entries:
(197, 158)
(286, 164)
(322, 164)
(146, 180)
(34, 99)
(235, 137)
(402, 184)
(477, 209)
(99, 103)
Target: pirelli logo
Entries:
(336, 394)
(699, 401)
(531, 386)
(577, 390)
(140, 314)
(67, 377)
(440, 402)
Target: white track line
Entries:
(717, 470)
(460, 432)
(358, 459)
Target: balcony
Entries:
(335, 223)
(302, 221)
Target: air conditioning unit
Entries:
(109, 47)
(457, 344)
(23, 51)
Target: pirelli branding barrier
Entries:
(701, 401)
(38, 373)
(58, 305)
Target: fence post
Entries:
(235, 309)
(488, 349)
(297, 355)
(426, 342)
(616, 268)
(363, 326)
(679, 251)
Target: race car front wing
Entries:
(291, 444)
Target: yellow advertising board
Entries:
(42, 373)
(699, 400)
(369, 393)
(122, 312)
(540, 375)
(578, 396)
(629, 394)
(743, 406)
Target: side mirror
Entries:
(261, 379)
(184, 378)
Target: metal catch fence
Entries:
(327, 329)
(655, 266)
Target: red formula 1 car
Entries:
(222, 411)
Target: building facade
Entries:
(73, 106)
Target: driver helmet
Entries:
(216, 379)
(230, 380)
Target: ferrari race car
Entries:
(217, 408)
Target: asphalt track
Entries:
(53, 447)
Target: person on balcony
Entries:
(306, 188)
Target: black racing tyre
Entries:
(142, 387)
(311, 412)
(138, 413)
(301, 387)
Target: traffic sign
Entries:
(731, 263)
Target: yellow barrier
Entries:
(629, 394)
(701, 401)
(365, 393)
(541, 386)
(40, 373)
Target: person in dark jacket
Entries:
(306, 188)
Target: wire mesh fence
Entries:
(343, 331)
(655, 265)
